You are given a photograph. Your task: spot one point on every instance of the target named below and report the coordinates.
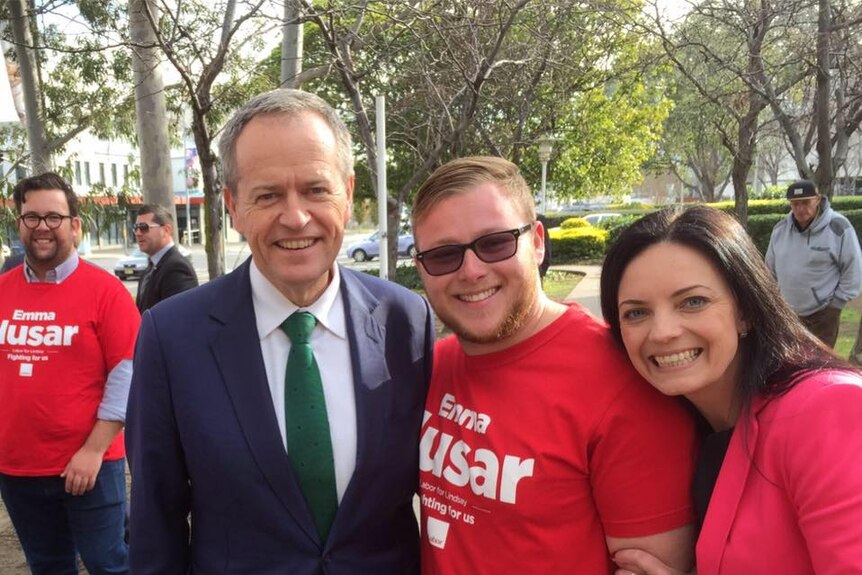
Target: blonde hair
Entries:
(461, 175)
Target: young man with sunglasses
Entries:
(67, 335)
(169, 272)
(541, 451)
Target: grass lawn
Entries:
(559, 284)
(850, 317)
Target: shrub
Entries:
(760, 229)
(616, 226)
(578, 244)
(631, 206)
(574, 223)
(406, 275)
(755, 207)
(555, 219)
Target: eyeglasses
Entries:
(490, 248)
(144, 228)
(53, 221)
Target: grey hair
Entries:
(287, 102)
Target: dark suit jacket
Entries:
(173, 275)
(202, 439)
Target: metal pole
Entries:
(382, 195)
(544, 184)
(188, 217)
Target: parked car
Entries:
(7, 251)
(133, 266)
(596, 219)
(369, 248)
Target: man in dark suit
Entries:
(224, 431)
(169, 272)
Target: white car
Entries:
(369, 248)
(7, 251)
(133, 266)
(596, 219)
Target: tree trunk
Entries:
(291, 45)
(824, 173)
(152, 121)
(40, 154)
(213, 221)
(742, 160)
(393, 220)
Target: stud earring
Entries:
(743, 334)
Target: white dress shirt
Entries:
(332, 351)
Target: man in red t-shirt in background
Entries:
(67, 335)
(542, 451)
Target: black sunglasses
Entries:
(144, 228)
(490, 248)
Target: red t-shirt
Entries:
(530, 456)
(58, 343)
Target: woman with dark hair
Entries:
(779, 480)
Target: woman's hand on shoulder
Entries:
(639, 562)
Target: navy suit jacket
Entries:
(203, 440)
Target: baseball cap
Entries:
(801, 190)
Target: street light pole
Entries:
(546, 146)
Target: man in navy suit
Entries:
(170, 272)
(215, 488)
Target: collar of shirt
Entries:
(157, 257)
(56, 275)
(271, 308)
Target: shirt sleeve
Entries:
(113, 405)
(822, 470)
(118, 329)
(643, 463)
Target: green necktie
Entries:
(309, 445)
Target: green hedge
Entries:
(762, 217)
(406, 275)
(577, 244)
(574, 223)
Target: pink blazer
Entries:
(789, 494)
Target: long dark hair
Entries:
(778, 347)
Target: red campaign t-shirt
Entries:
(58, 343)
(530, 456)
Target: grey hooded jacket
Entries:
(819, 266)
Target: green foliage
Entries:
(579, 244)
(628, 206)
(406, 275)
(611, 134)
(760, 229)
(616, 226)
(755, 207)
(574, 223)
(691, 142)
(769, 193)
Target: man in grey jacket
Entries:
(815, 256)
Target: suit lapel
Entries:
(366, 336)
(728, 491)
(237, 353)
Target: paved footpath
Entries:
(586, 293)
